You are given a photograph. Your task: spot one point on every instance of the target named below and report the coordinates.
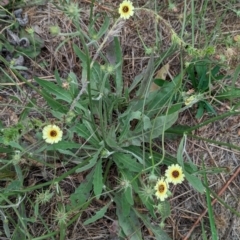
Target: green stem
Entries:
(229, 145)
(106, 171)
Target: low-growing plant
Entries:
(105, 131)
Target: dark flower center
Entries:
(175, 174)
(53, 133)
(125, 9)
(161, 188)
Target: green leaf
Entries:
(104, 27)
(209, 108)
(80, 53)
(136, 81)
(30, 51)
(149, 204)
(210, 209)
(82, 192)
(129, 224)
(204, 235)
(191, 75)
(195, 182)
(55, 105)
(72, 79)
(57, 76)
(15, 185)
(229, 93)
(99, 214)
(162, 123)
(85, 131)
(157, 231)
(128, 195)
(15, 145)
(63, 145)
(98, 179)
(126, 161)
(119, 59)
(125, 206)
(91, 163)
(147, 78)
(180, 151)
(164, 209)
(200, 110)
(54, 89)
(25, 113)
(20, 68)
(67, 152)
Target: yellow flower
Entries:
(190, 100)
(126, 9)
(161, 189)
(174, 174)
(52, 134)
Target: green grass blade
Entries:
(210, 210)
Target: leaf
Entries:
(125, 206)
(161, 74)
(156, 230)
(72, 79)
(148, 204)
(57, 76)
(104, 27)
(128, 195)
(83, 131)
(209, 108)
(147, 77)
(136, 81)
(164, 209)
(229, 93)
(63, 145)
(195, 182)
(15, 185)
(91, 163)
(67, 152)
(80, 53)
(200, 110)
(54, 89)
(129, 224)
(15, 145)
(160, 125)
(126, 161)
(98, 179)
(209, 207)
(30, 51)
(192, 75)
(25, 113)
(99, 214)
(119, 59)
(180, 151)
(55, 105)
(82, 192)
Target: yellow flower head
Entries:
(126, 9)
(52, 134)
(190, 100)
(161, 189)
(174, 174)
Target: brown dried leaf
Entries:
(161, 74)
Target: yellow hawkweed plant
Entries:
(52, 134)
(161, 188)
(126, 9)
(174, 174)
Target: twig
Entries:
(212, 203)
